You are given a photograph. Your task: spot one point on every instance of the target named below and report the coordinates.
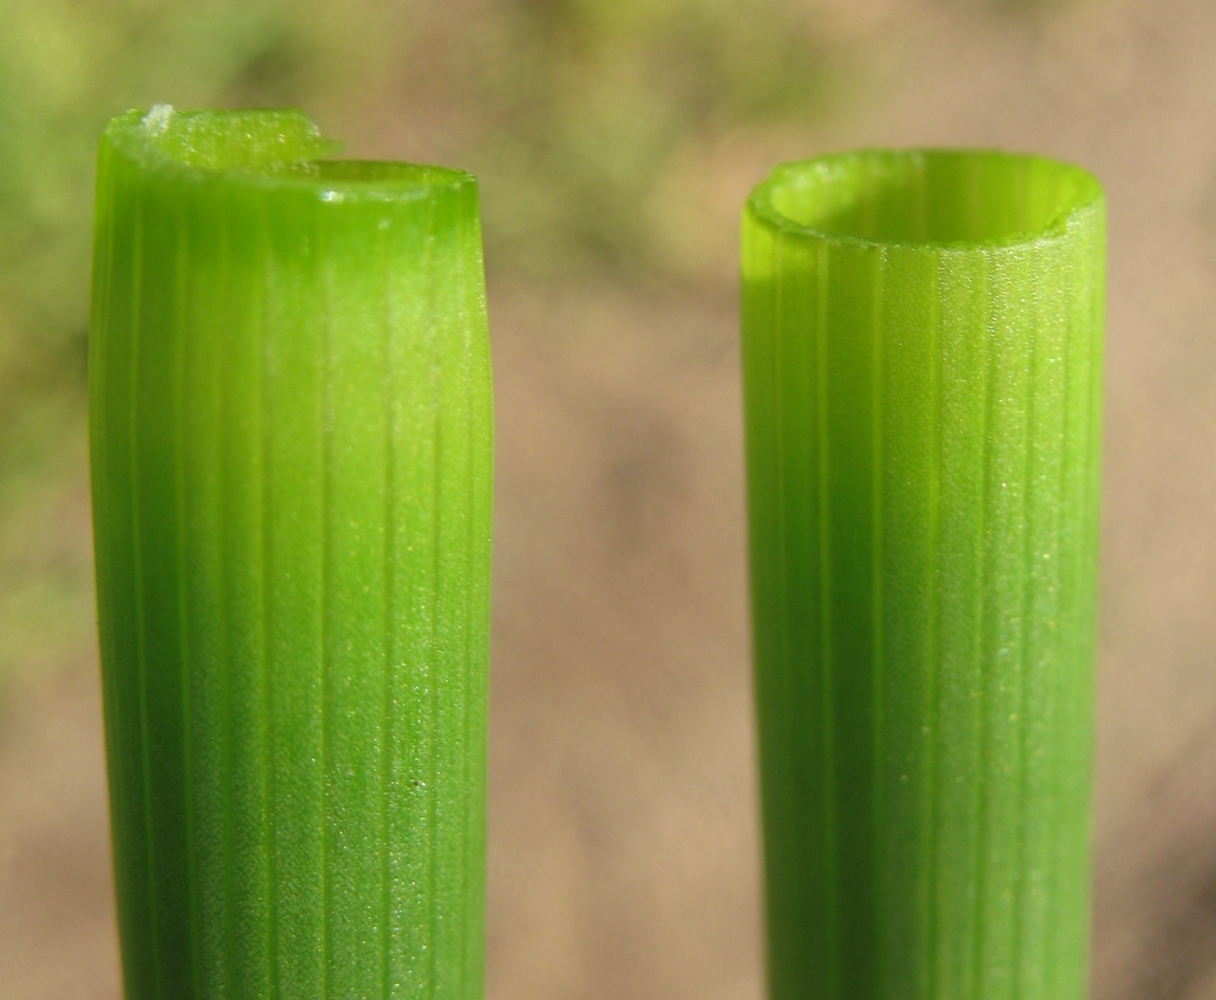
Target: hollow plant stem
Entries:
(921, 346)
(290, 441)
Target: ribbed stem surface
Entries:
(290, 436)
(921, 343)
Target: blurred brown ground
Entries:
(623, 842)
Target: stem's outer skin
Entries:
(922, 385)
(291, 463)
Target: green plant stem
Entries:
(290, 438)
(921, 344)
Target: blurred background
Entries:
(615, 141)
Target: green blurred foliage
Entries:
(579, 116)
(591, 103)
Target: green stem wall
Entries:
(921, 343)
(290, 436)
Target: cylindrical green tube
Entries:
(291, 460)
(922, 351)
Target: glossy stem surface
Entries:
(922, 350)
(291, 468)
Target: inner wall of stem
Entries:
(926, 196)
